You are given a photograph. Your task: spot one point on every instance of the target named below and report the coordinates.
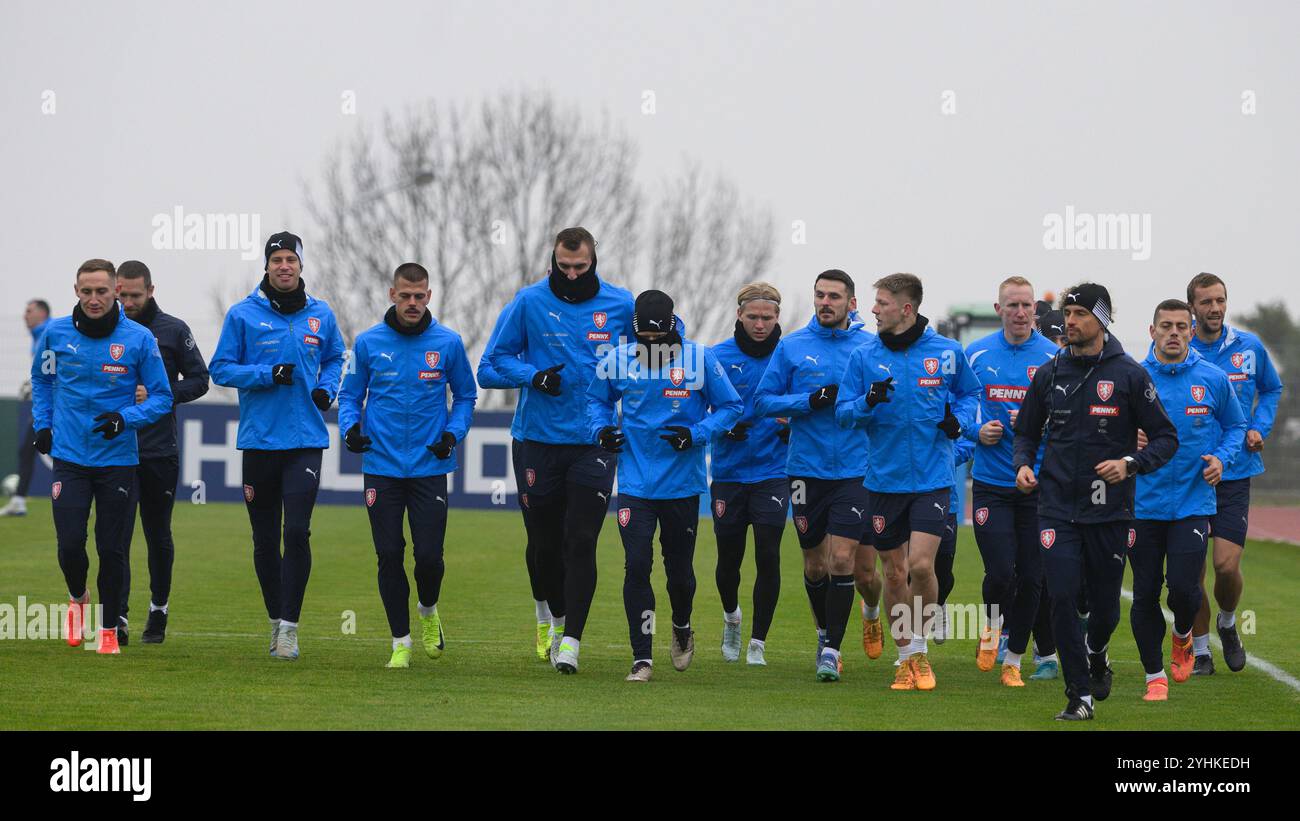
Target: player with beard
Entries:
(547, 343)
(750, 488)
(825, 463)
(1088, 404)
(159, 469)
(1259, 389)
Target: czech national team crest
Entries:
(116, 350)
(981, 516)
(1105, 389)
(677, 375)
(801, 522)
(931, 365)
(599, 318)
(1031, 370)
(878, 524)
(248, 493)
(1238, 359)
(624, 516)
(530, 476)
(1132, 538)
(1198, 393)
(1047, 538)
(371, 495)
(314, 324)
(56, 489)
(719, 507)
(431, 359)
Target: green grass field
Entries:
(214, 671)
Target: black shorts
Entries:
(547, 469)
(736, 505)
(896, 516)
(822, 507)
(1232, 519)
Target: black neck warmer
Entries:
(757, 350)
(290, 303)
(95, 328)
(391, 320)
(897, 342)
(574, 290)
(148, 313)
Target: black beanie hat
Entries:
(283, 241)
(1052, 325)
(653, 312)
(1091, 297)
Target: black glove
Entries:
(611, 439)
(679, 437)
(112, 424)
(739, 433)
(43, 441)
(355, 441)
(322, 399)
(282, 374)
(823, 397)
(442, 448)
(784, 434)
(949, 424)
(879, 392)
(548, 381)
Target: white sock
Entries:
(286, 623)
(1087, 700)
(543, 611)
(686, 626)
(759, 643)
(1044, 659)
(995, 626)
(1201, 645)
(1227, 619)
(83, 598)
(918, 645)
(1178, 635)
(426, 612)
(557, 625)
(904, 652)
(18, 501)
(1013, 659)
(153, 607)
(1153, 676)
(405, 641)
(834, 653)
(733, 617)
(274, 622)
(571, 643)
(870, 613)
(650, 662)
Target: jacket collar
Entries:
(1172, 368)
(832, 333)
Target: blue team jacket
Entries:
(1200, 402)
(804, 361)
(401, 381)
(1245, 360)
(916, 456)
(254, 337)
(537, 330)
(762, 455)
(682, 393)
(1005, 371)
(76, 378)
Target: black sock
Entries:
(839, 603)
(817, 598)
(943, 572)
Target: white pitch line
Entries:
(1252, 660)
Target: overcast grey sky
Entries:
(834, 114)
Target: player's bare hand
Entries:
(140, 394)
(1213, 469)
(1142, 439)
(1026, 481)
(1254, 441)
(1113, 471)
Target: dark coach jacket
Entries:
(181, 357)
(1089, 409)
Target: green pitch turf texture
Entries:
(214, 671)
